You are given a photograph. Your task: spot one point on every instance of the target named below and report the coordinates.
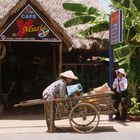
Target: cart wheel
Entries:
(84, 118)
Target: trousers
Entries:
(121, 98)
(50, 117)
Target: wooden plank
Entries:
(30, 102)
(42, 101)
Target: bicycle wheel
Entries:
(84, 118)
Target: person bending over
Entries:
(57, 90)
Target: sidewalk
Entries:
(22, 123)
(37, 124)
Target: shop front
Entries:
(36, 48)
(33, 56)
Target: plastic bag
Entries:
(74, 89)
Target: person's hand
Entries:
(121, 83)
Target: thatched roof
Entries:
(56, 14)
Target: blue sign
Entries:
(116, 27)
(71, 89)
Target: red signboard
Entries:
(116, 27)
(29, 26)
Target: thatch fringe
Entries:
(12, 9)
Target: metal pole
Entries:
(111, 65)
(111, 61)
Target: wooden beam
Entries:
(60, 58)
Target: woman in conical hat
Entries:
(58, 90)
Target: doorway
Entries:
(32, 66)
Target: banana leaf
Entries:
(79, 9)
(94, 29)
(75, 7)
(123, 52)
(79, 20)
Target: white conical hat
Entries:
(68, 74)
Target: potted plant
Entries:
(134, 110)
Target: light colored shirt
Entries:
(120, 84)
(56, 90)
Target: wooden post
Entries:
(46, 115)
(54, 60)
(51, 116)
(60, 57)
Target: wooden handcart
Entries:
(83, 112)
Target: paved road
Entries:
(33, 127)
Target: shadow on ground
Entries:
(99, 129)
(23, 113)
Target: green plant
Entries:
(135, 107)
(130, 47)
(132, 80)
(84, 15)
(132, 88)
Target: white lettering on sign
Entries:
(28, 16)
